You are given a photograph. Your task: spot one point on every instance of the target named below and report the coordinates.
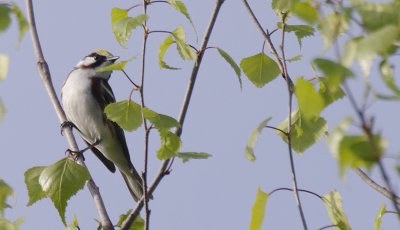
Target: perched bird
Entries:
(85, 94)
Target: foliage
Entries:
(5, 192)
(258, 210)
(372, 34)
(59, 182)
(260, 69)
(334, 206)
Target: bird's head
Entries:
(97, 59)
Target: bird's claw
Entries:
(75, 154)
(66, 124)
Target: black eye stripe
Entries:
(99, 59)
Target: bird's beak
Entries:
(112, 59)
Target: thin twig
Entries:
(146, 128)
(300, 190)
(283, 69)
(164, 165)
(44, 73)
(328, 226)
(382, 190)
(277, 129)
(266, 36)
(368, 131)
(289, 131)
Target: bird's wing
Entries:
(104, 96)
(102, 158)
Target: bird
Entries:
(84, 95)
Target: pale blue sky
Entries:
(217, 193)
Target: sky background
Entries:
(217, 193)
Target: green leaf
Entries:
(295, 58)
(161, 53)
(74, 225)
(118, 14)
(260, 69)
(4, 62)
(127, 114)
(251, 142)
(170, 144)
(35, 191)
(310, 102)
(334, 72)
(332, 26)
(232, 63)
(5, 19)
(2, 111)
(186, 156)
(137, 224)
(386, 71)
(116, 66)
(327, 94)
(336, 136)
(349, 52)
(333, 204)
(374, 16)
(368, 47)
(122, 25)
(282, 6)
(61, 180)
(160, 121)
(180, 6)
(258, 210)
(5, 191)
(301, 31)
(185, 51)
(8, 225)
(306, 12)
(22, 23)
(304, 132)
(358, 151)
(379, 216)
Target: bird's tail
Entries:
(134, 183)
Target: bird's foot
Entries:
(67, 124)
(77, 154)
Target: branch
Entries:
(146, 127)
(382, 190)
(283, 69)
(289, 131)
(366, 127)
(44, 73)
(163, 171)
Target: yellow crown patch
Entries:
(104, 53)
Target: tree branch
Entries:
(283, 69)
(289, 132)
(164, 165)
(367, 129)
(382, 190)
(146, 127)
(44, 73)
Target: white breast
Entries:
(80, 106)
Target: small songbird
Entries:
(85, 94)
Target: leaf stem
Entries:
(300, 190)
(45, 75)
